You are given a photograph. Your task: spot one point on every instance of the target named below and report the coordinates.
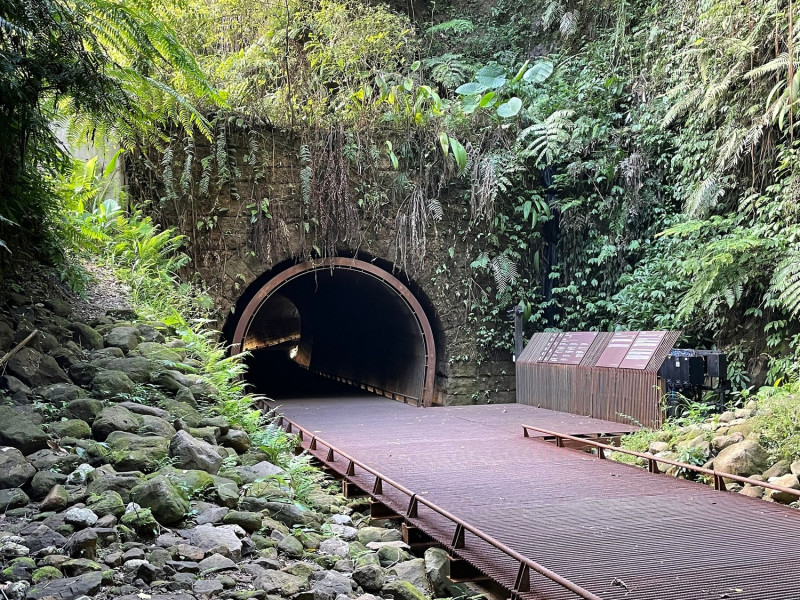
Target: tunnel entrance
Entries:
(345, 320)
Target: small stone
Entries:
(85, 409)
(163, 498)
(46, 574)
(332, 585)
(82, 544)
(191, 453)
(437, 569)
(403, 590)
(752, 491)
(779, 469)
(414, 572)
(113, 559)
(133, 554)
(68, 589)
(114, 418)
(378, 534)
(334, 547)
(72, 428)
(12, 549)
(80, 474)
(18, 431)
(124, 338)
(189, 552)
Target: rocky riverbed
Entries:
(118, 480)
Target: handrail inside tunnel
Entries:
(396, 343)
(522, 582)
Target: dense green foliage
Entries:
(618, 164)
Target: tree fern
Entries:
(549, 137)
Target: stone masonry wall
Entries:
(220, 230)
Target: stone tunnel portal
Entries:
(343, 319)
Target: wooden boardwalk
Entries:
(614, 530)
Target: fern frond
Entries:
(785, 283)
(704, 196)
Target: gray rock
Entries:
(80, 517)
(85, 336)
(19, 431)
(745, 458)
(57, 499)
(112, 384)
(82, 544)
(191, 453)
(114, 418)
(15, 470)
(795, 467)
(80, 474)
(131, 452)
(107, 503)
(53, 460)
(85, 409)
(403, 590)
(216, 562)
(290, 514)
(38, 536)
(12, 549)
(72, 428)
(249, 521)
(13, 385)
(291, 546)
(345, 532)
(261, 470)
(378, 534)
(334, 547)
(331, 585)
(207, 587)
(13, 498)
(285, 584)
(208, 537)
(370, 577)
(414, 572)
(124, 338)
(43, 482)
(213, 514)
(237, 439)
(158, 352)
(151, 425)
(82, 373)
(70, 588)
(60, 393)
(35, 369)
(122, 483)
(145, 409)
(779, 469)
(137, 368)
(163, 498)
(789, 481)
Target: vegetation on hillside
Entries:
(620, 165)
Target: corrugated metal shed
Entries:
(612, 376)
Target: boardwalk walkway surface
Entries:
(615, 530)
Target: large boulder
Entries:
(150, 425)
(85, 409)
(163, 499)
(114, 418)
(191, 453)
(19, 431)
(744, 458)
(258, 471)
(136, 368)
(122, 483)
(278, 582)
(207, 537)
(413, 571)
(437, 568)
(124, 338)
(60, 393)
(38, 536)
(332, 585)
(158, 352)
(112, 384)
(15, 470)
(106, 503)
(370, 577)
(71, 588)
(35, 369)
(131, 452)
(73, 428)
(85, 336)
(788, 481)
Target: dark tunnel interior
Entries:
(344, 323)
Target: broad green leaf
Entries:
(395, 162)
(469, 104)
(471, 88)
(487, 99)
(539, 72)
(526, 209)
(408, 84)
(415, 65)
(444, 140)
(491, 76)
(112, 164)
(459, 153)
(509, 109)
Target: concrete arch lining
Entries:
(387, 279)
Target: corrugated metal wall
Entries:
(612, 376)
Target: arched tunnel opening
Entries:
(317, 327)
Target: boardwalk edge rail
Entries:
(522, 583)
(718, 477)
